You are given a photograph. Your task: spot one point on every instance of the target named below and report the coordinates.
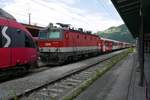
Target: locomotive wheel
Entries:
(34, 65)
(70, 59)
(75, 58)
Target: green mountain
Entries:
(120, 33)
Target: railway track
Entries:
(61, 87)
(58, 87)
(12, 74)
(21, 72)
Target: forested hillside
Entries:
(120, 33)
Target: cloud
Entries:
(5, 2)
(69, 2)
(45, 11)
(109, 2)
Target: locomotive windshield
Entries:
(53, 34)
(42, 35)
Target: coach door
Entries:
(5, 51)
(99, 45)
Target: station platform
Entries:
(119, 83)
(11, 88)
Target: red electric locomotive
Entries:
(59, 44)
(17, 47)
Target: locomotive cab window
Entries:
(29, 42)
(54, 35)
(50, 34)
(43, 35)
(16, 39)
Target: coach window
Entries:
(66, 35)
(77, 36)
(85, 37)
(0, 37)
(91, 37)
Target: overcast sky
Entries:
(95, 15)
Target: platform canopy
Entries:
(130, 12)
(33, 29)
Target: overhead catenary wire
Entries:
(105, 7)
(75, 15)
(53, 9)
(26, 17)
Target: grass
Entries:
(98, 73)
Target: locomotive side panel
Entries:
(84, 43)
(23, 47)
(79, 42)
(13, 50)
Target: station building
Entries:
(136, 15)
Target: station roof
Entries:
(32, 26)
(129, 10)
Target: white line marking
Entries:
(6, 36)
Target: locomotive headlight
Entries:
(47, 44)
(41, 49)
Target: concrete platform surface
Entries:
(120, 83)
